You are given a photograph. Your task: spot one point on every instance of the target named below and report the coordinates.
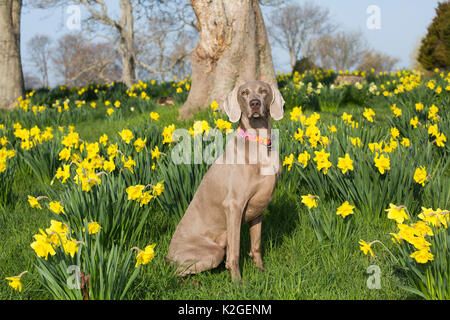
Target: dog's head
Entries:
(254, 99)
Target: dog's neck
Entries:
(260, 126)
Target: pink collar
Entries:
(258, 139)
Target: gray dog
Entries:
(232, 192)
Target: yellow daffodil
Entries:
(369, 114)
(129, 164)
(345, 164)
(139, 144)
(288, 161)
(63, 173)
(145, 198)
(366, 247)
(214, 105)
(382, 163)
(14, 282)
(145, 256)
(42, 245)
(112, 151)
(332, 129)
(397, 213)
(420, 176)
(296, 113)
(135, 192)
(440, 140)
(303, 158)
(419, 106)
(64, 154)
(422, 256)
(154, 116)
(436, 217)
(103, 140)
(405, 142)
(167, 133)
(433, 130)
(34, 202)
(222, 124)
(158, 188)
(299, 135)
(322, 162)
(199, 127)
(109, 165)
(155, 153)
(71, 140)
(56, 207)
(355, 141)
(93, 227)
(310, 201)
(347, 117)
(71, 247)
(345, 209)
(395, 133)
(126, 135)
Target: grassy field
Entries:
(298, 264)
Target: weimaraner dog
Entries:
(236, 189)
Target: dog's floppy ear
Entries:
(231, 105)
(276, 106)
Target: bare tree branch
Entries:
(296, 28)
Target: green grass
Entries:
(297, 265)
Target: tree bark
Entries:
(233, 48)
(11, 75)
(127, 49)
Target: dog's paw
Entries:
(236, 277)
(257, 260)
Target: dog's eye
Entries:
(263, 91)
(244, 93)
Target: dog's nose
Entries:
(255, 104)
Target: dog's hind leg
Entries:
(210, 255)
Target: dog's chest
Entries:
(261, 198)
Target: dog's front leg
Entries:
(255, 242)
(234, 221)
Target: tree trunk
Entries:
(127, 49)
(293, 59)
(11, 76)
(233, 47)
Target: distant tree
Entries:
(78, 61)
(31, 81)
(342, 50)
(297, 27)
(39, 55)
(164, 47)
(378, 61)
(434, 51)
(302, 65)
(119, 30)
(150, 36)
(11, 74)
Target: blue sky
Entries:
(403, 24)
